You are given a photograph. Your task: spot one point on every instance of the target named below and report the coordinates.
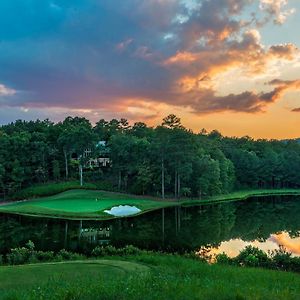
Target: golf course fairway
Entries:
(81, 205)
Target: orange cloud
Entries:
(248, 54)
(181, 57)
(283, 239)
(286, 51)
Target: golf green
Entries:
(81, 204)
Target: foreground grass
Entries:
(80, 204)
(151, 276)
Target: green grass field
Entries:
(81, 204)
(243, 195)
(145, 277)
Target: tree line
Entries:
(168, 160)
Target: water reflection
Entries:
(274, 242)
(265, 222)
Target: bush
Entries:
(101, 251)
(105, 251)
(283, 260)
(253, 257)
(129, 250)
(44, 256)
(98, 251)
(67, 255)
(19, 256)
(223, 259)
(1, 259)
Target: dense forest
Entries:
(168, 160)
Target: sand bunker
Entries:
(123, 210)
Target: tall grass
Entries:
(167, 277)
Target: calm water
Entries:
(264, 222)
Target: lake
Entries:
(265, 222)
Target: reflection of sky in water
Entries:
(234, 246)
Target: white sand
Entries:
(123, 210)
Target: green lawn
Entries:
(90, 204)
(145, 277)
(81, 204)
(243, 195)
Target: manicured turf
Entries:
(243, 195)
(145, 277)
(80, 204)
(29, 275)
(90, 204)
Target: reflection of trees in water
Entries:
(186, 228)
(16, 231)
(203, 225)
(258, 218)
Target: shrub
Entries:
(128, 250)
(98, 251)
(30, 245)
(110, 250)
(281, 258)
(67, 255)
(45, 256)
(223, 259)
(18, 256)
(253, 257)
(295, 264)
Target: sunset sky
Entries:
(230, 65)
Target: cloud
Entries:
(6, 91)
(96, 55)
(275, 10)
(122, 46)
(286, 51)
(283, 239)
(248, 53)
(206, 100)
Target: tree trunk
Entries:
(81, 174)
(175, 185)
(178, 186)
(79, 231)
(125, 182)
(66, 235)
(120, 180)
(163, 224)
(66, 164)
(162, 179)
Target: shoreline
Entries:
(92, 216)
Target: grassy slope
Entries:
(166, 277)
(243, 195)
(80, 204)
